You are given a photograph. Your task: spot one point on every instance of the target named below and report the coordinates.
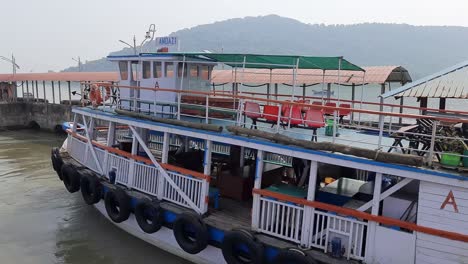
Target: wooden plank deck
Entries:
(231, 215)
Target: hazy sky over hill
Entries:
(46, 34)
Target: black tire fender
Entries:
(57, 161)
(240, 246)
(190, 232)
(91, 189)
(117, 204)
(149, 216)
(293, 255)
(70, 178)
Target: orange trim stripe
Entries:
(362, 215)
(142, 159)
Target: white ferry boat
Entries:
(228, 177)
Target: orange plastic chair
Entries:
(314, 119)
(252, 111)
(296, 115)
(270, 113)
(329, 111)
(344, 112)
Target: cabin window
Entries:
(157, 69)
(205, 72)
(169, 69)
(194, 71)
(123, 67)
(146, 69)
(182, 68)
(134, 70)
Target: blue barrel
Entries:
(336, 247)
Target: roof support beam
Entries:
(387, 193)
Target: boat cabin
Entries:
(160, 70)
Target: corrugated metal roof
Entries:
(373, 75)
(448, 83)
(61, 76)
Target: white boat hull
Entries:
(165, 240)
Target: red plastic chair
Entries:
(314, 119)
(304, 108)
(329, 111)
(252, 111)
(344, 112)
(296, 115)
(270, 113)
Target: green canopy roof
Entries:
(273, 61)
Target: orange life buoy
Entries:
(108, 93)
(95, 95)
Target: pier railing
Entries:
(138, 173)
(427, 132)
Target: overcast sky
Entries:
(46, 34)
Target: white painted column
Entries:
(207, 158)
(131, 170)
(308, 219)
(70, 137)
(164, 159)
(206, 170)
(242, 160)
(371, 228)
(257, 185)
(110, 142)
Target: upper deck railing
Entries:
(436, 136)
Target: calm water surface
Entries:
(40, 222)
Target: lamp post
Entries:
(79, 63)
(132, 47)
(12, 61)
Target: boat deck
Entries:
(349, 137)
(230, 215)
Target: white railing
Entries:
(280, 219)
(77, 149)
(146, 178)
(121, 166)
(326, 226)
(192, 187)
(91, 162)
(317, 229)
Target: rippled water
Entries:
(40, 222)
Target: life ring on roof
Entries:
(95, 94)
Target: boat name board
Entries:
(166, 41)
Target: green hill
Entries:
(421, 49)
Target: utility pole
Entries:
(12, 61)
(79, 63)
